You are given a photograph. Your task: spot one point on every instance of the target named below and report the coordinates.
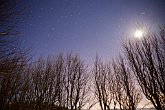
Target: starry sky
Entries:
(86, 27)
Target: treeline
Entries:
(66, 82)
(63, 82)
(43, 85)
(139, 71)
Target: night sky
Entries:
(86, 27)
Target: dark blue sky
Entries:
(86, 26)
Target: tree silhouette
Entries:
(75, 82)
(12, 59)
(131, 95)
(53, 83)
(146, 58)
(103, 84)
(114, 85)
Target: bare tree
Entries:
(55, 83)
(12, 59)
(124, 78)
(115, 86)
(45, 83)
(146, 58)
(118, 90)
(11, 69)
(103, 84)
(76, 79)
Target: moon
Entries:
(138, 34)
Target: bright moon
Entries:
(138, 34)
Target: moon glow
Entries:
(138, 34)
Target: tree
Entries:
(146, 58)
(75, 83)
(43, 84)
(10, 78)
(124, 78)
(103, 84)
(54, 83)
(115, 86)
(12, 59)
